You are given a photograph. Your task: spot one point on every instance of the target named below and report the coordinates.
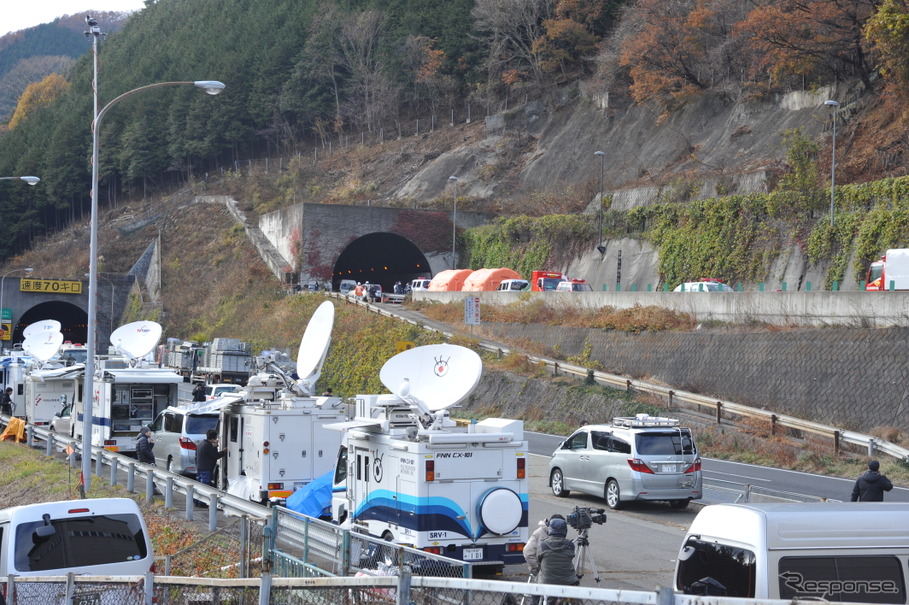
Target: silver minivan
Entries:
(176, 432)
(639, 458)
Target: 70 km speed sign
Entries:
(472, 310)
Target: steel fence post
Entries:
(169, 494)
(131, 478)
(213, 513)
(149, 485)
(149, 588)
(50, 445)
(404, 587)
(99, 463)
(265, 589)
(114, 464)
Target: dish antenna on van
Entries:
(42, 345)
(314, 347)
(433, 377)
(45, 325)
(136, 339)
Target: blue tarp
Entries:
(313, 498)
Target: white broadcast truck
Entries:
(273, 430)
(128, 390)
(407, 475)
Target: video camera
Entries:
(585, 517)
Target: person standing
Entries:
(144, 445)
(6, 402)
(198, 393)
(871, 485)
(557, 556)
(532, 548)
(207, 455)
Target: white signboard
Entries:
(472, 310)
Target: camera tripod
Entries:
(584, 556)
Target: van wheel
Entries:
(557, 483)
(679, 503)
(613, 495)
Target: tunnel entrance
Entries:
(73, 320)
(382, 258)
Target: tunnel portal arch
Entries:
(73, 320)
(382, 258)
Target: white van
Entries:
(102, 536)
(833, 551)
(346, 285)
(514, 285)
(420, 285)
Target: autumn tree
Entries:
(37, 95)
(888, 33)
(371, 94)
(423, 64)
(814, 40)
(509, 29)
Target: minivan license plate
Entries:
(473, 554)
(670, 468)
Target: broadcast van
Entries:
(821, 551)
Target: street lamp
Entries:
(212, 87)
(2, 280)
(600, 229)
(31, 180)
(836, 111)
(454, 218)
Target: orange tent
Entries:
(450, 280)
(484, 280)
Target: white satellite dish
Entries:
(45, 325)
(438, 375)
(136, 339)
(315, 341)
(43, 345)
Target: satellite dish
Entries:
(315, 341)
(438, 375)
(45, 325)
(136, 339)
(43, 345)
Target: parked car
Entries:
(575, 285)
(420, 285)
(639, 458)
(176, 432)
(60, 423)
(213, 391)
(346, 286)
(703, 286)
(514, 285)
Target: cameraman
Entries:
(532, 548)
(557, 556)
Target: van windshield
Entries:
(80, 542)
(669, 443)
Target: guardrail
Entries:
(721, 409)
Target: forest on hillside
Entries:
(296, 71)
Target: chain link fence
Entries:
(240, 539)
(270, 590)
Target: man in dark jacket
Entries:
(144, 446)
(207, 455)
(870, 487)
(6, 402)
(557, 556)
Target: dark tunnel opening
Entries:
(382, 258)
(73, 320)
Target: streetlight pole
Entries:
(212, 87)
(602, 170)
(454, 219)
(111, 300)
(2, 281)
(836, 110)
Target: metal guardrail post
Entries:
(49, 451)
(99, 462)
(114, 464)
(871, 447)
(628, 386)
(29, 435)
(555, 369)
(836, 442)
(671, 395)
(773, 424)
(719, 412)
(169, 494)
(244, 538)
(131, 478)
(213, 513)
(190, 494)
(149, 485)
